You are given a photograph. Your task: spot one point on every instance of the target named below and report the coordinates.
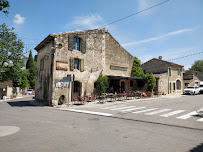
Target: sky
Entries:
(173, 30)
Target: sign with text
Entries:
(61, 65)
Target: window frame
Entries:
(76, 43)
(78, 63)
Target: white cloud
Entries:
(158, 37)
(18, 19)
(89, 22)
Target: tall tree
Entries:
(32, 70)
(136, 69)
(197, 66)
(150, 81)
(11, 54)
(4, 4)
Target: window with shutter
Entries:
(42, 64)
(169, 71)
(71, 64)
(70, 42)
(83, 46)
(82, 65)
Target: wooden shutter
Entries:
(83, 45)
(71, 64)
(82, 65)
(42, 64)
(70, 42)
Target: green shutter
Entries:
(83, 45)
(169, 70)
(71, 64)
(70, 42)
(82, 65)
(42, 64)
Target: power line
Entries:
(185, 56)
(135, 13)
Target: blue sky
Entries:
(171, 30)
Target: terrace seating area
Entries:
(110, 97)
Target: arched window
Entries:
(178, 84)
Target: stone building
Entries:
(192, 78)
(6, 89)
(84, 54)
(169, 76)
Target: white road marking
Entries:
(133, 109)
(189, 115)
(114, 107)
(159, 111)
(172, 113)
(89, 112)
(8, 130)
(201, 119)
(145, 110)
(123, 108)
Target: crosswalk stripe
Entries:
(133, 109)
(187, 115)
(155, 112)
(145, 110)
(201, 119)
(114, 107)
(172, 113)
(123, 108)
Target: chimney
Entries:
(160, 57)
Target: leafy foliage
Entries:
(150, 81)
(197, 66)
(4, 4)
(102, 84)
(11, 55)
(136, 69)
(31, 66)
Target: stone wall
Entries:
(117, 56)
(43, 77)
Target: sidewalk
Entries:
(98, 104)
(15, 98)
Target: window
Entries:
(169, 71)
(179, 72)
(174, 86)
(131, 83)
(42, 64)
(76, 43)
(77, 64)
(178, 84)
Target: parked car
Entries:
(29, 92)
(191, 90)
(201, 87)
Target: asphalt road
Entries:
(45, 129)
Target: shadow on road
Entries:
(198, 148)
(29, 103)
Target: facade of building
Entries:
(6, 89)
(192, 78)
(84, 54)
(169, 76)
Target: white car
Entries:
(191, 90)
(201, 87)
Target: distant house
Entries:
(192, 78)
(169, 76)
(6, 89)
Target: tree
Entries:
(4, 4)
(11, 55)
(150, 81)
(136, 69)
(102, 84)
(197, 66)
(30, 65)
